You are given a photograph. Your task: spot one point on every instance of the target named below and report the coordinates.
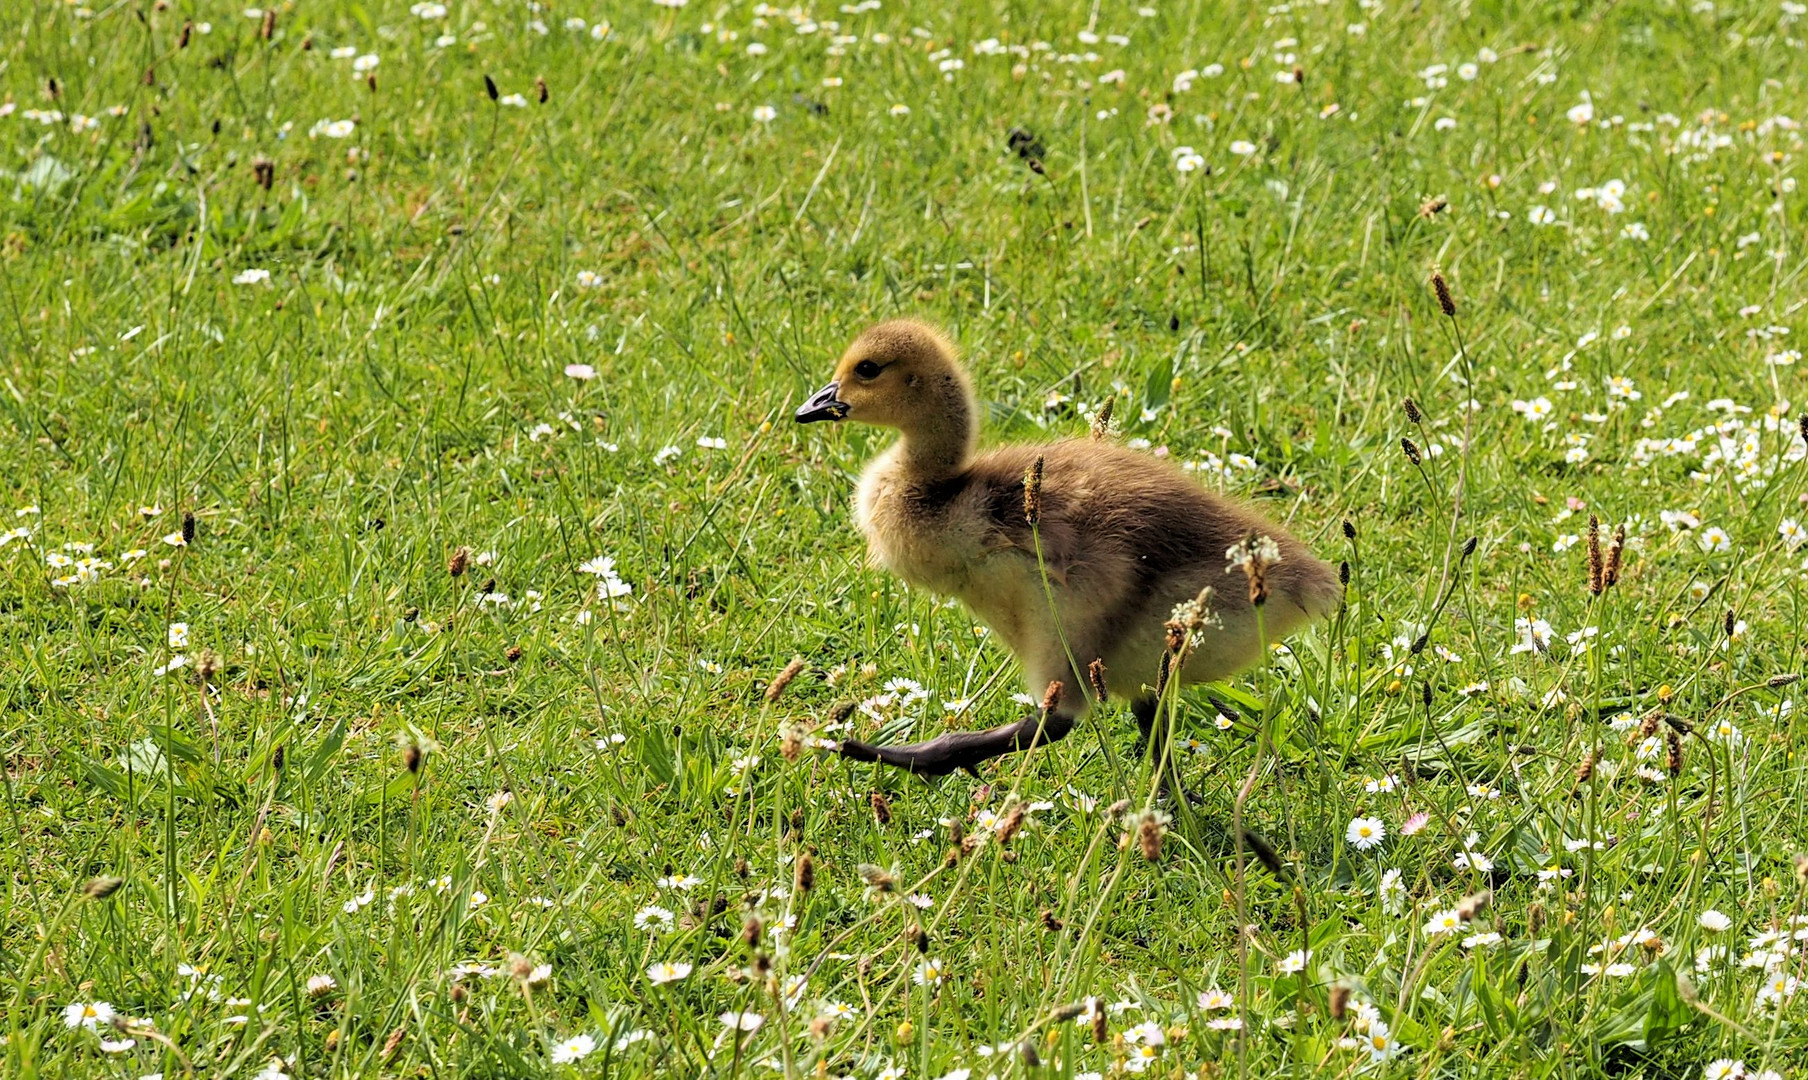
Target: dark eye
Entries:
(866, 369)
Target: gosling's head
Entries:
(902, 374)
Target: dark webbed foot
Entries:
(963, 749)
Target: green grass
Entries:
(396, 391)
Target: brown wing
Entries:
(1131, 518)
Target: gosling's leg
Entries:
(1154, 741)
(964, 749)
(1143, 708)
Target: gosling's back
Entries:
(1125, 537)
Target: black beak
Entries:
(822, 406)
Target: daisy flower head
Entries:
(90, 1014)
(1380, 1042)
(573, 1049)
(653, 917)
(1393, 893)
(742, 1021)
(1444, 922)
(667, 971)
(1365, 833)
(1142, 1057)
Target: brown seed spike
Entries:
(268, 29)
(1265, 853)
(102, 887)
(1011, 824)
(489, 87)
(1597, 582)
(1731, 622)
(1032, 493)
(1412, 411)
(540, 88)
(1446, 302)
(1610, 574)
(1411, 450)
(1101, 420)
(1148, 837)
(881, 810)
(1031, 1059)
(187, 29)
(1471, 906)
(188, 526)
(459, 562)
(1802, 424)
(1095, 672)
(1340, 1001)
(1051, 698)
(806, 873)
(1673, 753)
(783, 679)
(1349, 530)
(1586, 771)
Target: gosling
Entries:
(1125, 538)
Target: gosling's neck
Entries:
(940, 445)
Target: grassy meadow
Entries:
(404, 530)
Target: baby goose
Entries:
(1125, 537)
